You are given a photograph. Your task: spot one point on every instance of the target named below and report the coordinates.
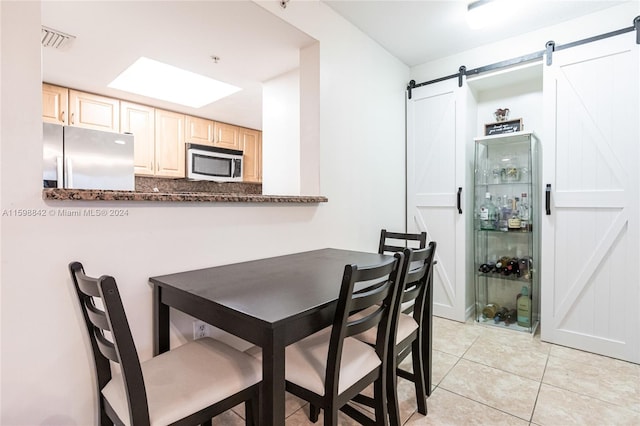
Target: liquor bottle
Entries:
(523, 211)
(488, 213)
(523, 303)
(489, 311)
(514, 220)
(505, 213)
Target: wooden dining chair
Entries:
(407, 331)
(188, 385)
(330, 368)
(391, 242)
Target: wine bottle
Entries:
(500, 315)
(487, 267)
(510, 317)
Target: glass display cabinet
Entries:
(506, 231)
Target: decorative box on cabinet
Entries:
(506, 231)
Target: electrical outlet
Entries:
(200, 329)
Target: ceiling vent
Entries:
(54, 38)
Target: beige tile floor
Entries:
(489, 376)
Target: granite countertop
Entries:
(107, 195)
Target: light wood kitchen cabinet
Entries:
(94, 111)
(55, 104)
(199, 130)
(251, 145)
(140, 120)
(169, 144)
(226, 136)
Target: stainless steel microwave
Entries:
(214, 164)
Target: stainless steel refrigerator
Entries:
(87, 159)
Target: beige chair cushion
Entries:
(406, 326)
(187, 379)
(306, 362)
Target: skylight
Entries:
(157, 80)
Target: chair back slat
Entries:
(97, 316)
(107, 348)
(391, 242)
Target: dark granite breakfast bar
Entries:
(107, 195)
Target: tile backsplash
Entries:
(150, 184)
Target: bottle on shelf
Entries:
(488, 213)
(514, 220)
(524, 266)
(490, 310)
(510, 317)
(485, 268)
(500, 315)
(523, 303)
(524, 213)
(504, 213)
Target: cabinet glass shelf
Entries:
(506, 221)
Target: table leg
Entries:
(160, 323)
(273, 382)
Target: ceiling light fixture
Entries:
(484, 13)
(157, 80)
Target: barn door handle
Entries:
(459, 196)
(548, 199)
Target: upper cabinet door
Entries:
(226, 136)
(140, 120)
(55, 104)
(199, 130)
(93, 111)
(590, 236)
(170, 155)
(251, 145)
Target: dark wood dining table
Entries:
(270, 302)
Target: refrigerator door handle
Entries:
(68, 174)
(59, 172)
(459, 200)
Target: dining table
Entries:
(270, 302)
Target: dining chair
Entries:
(409, 332)
(187, 385)
(391, 242)
(330, 368)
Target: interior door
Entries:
(590, 241)
(435, 170)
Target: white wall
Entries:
(47, 371)
(607, 20)
(281, 135)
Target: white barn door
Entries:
(590, 281)
(435, 171)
